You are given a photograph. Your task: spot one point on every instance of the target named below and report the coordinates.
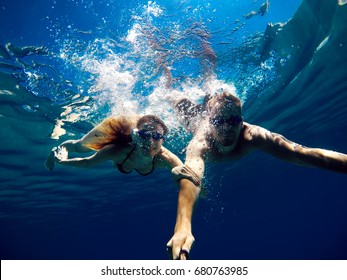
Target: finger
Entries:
(169, 244)
(197, 181)
(169, 249)
(187, 246)
(194, 176)
(184, 255)
(182, 252)
(190, 170)
(173, 249)
(56, 153)
(176, 250)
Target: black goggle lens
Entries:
(146, 134)
(234, 120)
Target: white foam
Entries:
(133, 33)
(153, 8)
(115, 76)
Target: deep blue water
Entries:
(99, 58)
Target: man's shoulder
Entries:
(252, 132)
(199, 143)
(202, 132)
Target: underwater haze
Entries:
(66, 65)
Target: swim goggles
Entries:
(233, 120)
(146, 134)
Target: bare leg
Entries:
(208, 62)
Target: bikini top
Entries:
(121, 169)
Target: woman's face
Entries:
(151, 138)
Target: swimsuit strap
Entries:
(120, 165)
(121, 169)
(149, 172)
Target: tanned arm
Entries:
(167, 159)
(278, 146)
(183, 239)
(102, 155)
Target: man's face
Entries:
(226, 123)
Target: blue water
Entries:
(98, 58)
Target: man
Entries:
(221, 134)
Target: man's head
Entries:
(224, 100)
(225, 117)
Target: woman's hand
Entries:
(185, 172)
(60, 154)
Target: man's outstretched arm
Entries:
(278, 146)
(183, 239)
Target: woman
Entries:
(131, 142)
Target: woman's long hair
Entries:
(112, 130)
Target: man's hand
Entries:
(180, 245)
(182, 241)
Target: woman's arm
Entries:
(75, 146)
(167, 159)
(278, 146)
(104, 154)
